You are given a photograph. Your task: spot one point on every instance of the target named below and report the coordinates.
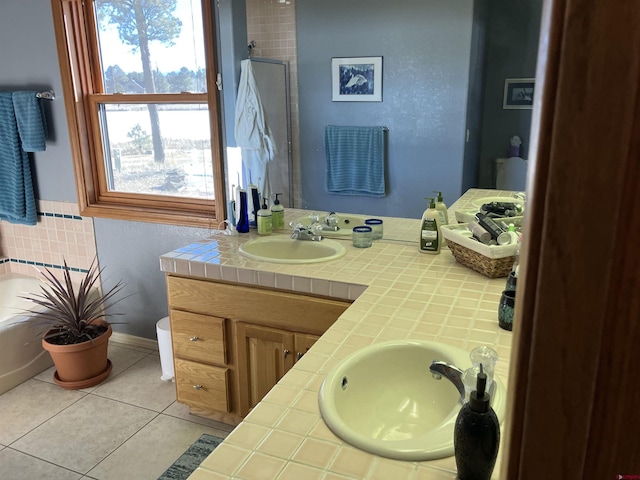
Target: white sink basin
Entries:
(283, 249)
(384, 400)
(345, 224)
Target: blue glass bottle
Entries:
(243, 219)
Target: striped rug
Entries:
(189, 460)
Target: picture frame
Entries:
(356, 79)
(518, 93)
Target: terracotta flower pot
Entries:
(83, 364)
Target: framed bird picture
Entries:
(356, 79)
(518, 93)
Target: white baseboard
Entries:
(135, 341)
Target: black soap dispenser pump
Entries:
(476, 435)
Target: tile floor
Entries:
(128, 428)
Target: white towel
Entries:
(252, 131)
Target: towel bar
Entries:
(385, 128)
(48, 95)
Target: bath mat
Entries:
(189, 460)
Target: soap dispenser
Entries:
(264, 219)
(442, 209)
(430, 229)
(277, 214)
(476, 435)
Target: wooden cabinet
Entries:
(302, 342)
(200, 385)
(232, 343)
(264, 356)
(202, 376)
(198, 337)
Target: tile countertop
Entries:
(399, 293)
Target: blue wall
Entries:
(29, 61)
(425, 45)
(232, 33)
(129, 250)
(426, 142)
(512, 48)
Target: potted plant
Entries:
(76, 333)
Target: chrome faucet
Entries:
(452, 373)
(455, 375)
(327, 224)
(300, 232)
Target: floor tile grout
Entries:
(40, 453)
(44, 421)
(119, 446)
(43, 460)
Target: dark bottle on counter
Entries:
(476, 435)
(489, 225)
(243, 219)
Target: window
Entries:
(142, 107)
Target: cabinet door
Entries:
(264, 356)
(303, 342)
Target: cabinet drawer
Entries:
(202, 385)
(198, 337)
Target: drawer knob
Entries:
(198, 387)
(286, 353)
(300, 354)
(194, 339)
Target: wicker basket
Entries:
(490, 261)
(489, 267)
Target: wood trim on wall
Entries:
(575, 379)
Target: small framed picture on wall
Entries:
(357, 79)
(518, 93)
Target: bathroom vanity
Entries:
(232, 343)
(239, 326)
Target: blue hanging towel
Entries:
(355, 160)
(17, 199)
(30, 118)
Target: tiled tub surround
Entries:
(61, 233)
(399, 294)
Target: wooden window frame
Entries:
(74, 24)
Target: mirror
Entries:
(444, 71)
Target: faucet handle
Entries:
(314, 217)
(315, 228)
(486, 356)
(332, 219)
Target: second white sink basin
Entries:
(283, 249)
(384, 400)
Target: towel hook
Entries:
(250, 47)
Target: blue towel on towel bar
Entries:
(30, 118)
(17, 200)
(355, 160)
